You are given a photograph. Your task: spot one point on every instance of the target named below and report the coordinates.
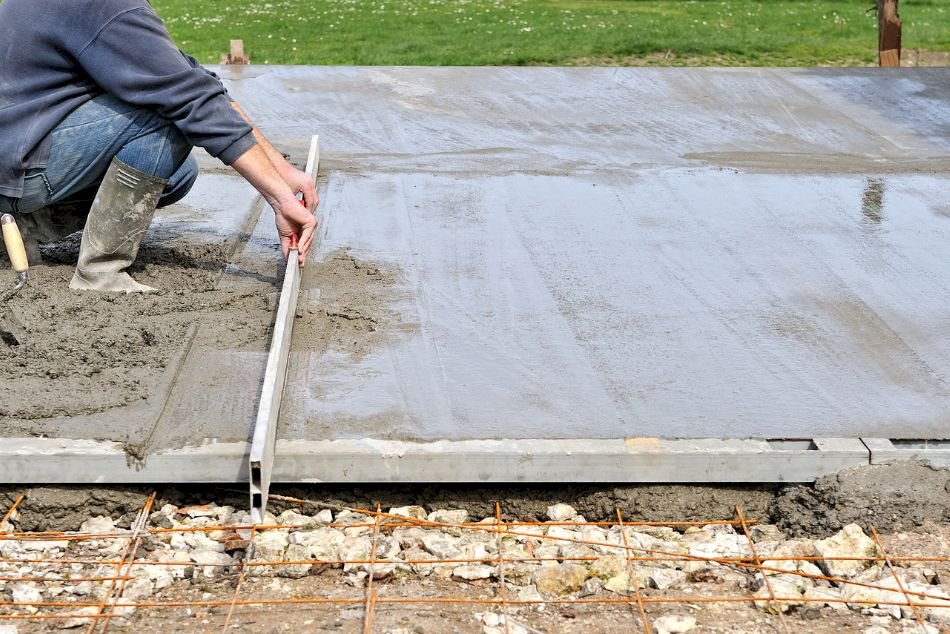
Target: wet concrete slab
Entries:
(591, 254)
(604, 253)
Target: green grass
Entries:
(564, 32)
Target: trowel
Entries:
(11, 333)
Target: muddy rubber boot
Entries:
(49, 224)
(118, 220)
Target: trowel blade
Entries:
(12, 332)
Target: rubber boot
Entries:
(119, 217)
(49, 224)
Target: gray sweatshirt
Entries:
(56, 55)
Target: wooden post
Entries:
(889, 33)
(237, 55)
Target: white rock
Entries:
(77, 620)
(415, 512)
(99, 524)
(827, 593)
(663, 578)
(138, 590)
(295, 552)
(27, 592)
(198, 510)
(419, 555)
(674, 624)
(355, 549)
(8, 628)
(560, 580)
(558, 534)
(548, 554)
(199, 541)
(270, 545)
(576, 552)
(473, 572)
(223, 514)
(42, 546)
(322, 544)
(346, 518)
(410, 537)
(876, 629)
(561, 512)
(160, 576)
(848, 542)
(442, 516)
(441, 545)
(608, 567)
(496, 624)
(212, 562)
(782, 589)
(765, 532)
(324, 517)
(290, 517)
(938, 596)
(591, 587)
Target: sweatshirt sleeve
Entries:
(134, 58)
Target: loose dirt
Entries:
(900, 496)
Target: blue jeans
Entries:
(84, 144)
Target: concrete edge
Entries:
(632, 460)
(886, 451)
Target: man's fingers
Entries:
(311, 200)
(306, 240)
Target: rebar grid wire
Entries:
(631, 577)
(240, 583)
(758, 562)
(12, 509)
(503, 588)
(114, 593)
(371, 592)
(900, 585)
(373, 601)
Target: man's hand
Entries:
(293, 217)
(301, 184)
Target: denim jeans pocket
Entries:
(37, 192)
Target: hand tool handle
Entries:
(14, 244)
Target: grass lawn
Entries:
(561, 32)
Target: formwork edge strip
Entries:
(641, 460)
(935, 452)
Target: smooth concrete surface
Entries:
(602, 254)
(607, 253)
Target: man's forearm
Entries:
(276, 158)
(258, 169)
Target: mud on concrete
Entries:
(901, 496)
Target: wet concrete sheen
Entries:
(603, 253)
